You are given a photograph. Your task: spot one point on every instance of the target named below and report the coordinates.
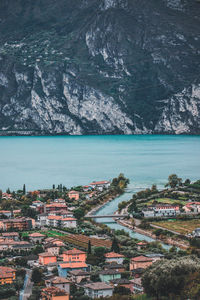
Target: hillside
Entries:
(99, 67)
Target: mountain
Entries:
(99, 67)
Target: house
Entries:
(65, 267)
(36, 237)
(52, 249)
(141, 245)
(196, 232)
(161, 210)
(77, 276)
(137, 285)
(74, 255)
(68, 222)
(38, 206)
(47, 258)
(59, 221)
(73, 195)
(32, 260)
(41, 220)
(98, 290)
(54, 293)
(59, 200)
(140, 262)
(54, 241)
(100, 185)
(155, 256)
(54, 207)
(59, 282)
(8, 244)
(17, 223)
(107, 275)
(192, 207)
(137, 273)
(7, 275)
(11, 235)
(122, 282)
(114, 257)
(114, 266)
(6, 213)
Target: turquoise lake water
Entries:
(40, 162)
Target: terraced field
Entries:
(183, 227)
(80, 240)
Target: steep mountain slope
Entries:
(99, 66)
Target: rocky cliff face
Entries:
(99, 67)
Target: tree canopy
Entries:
(169, 278)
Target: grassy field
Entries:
(49, 233)
(183, 227)
(166, 200)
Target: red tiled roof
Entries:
(74, 251)
(46, 254)
(53, 291)
(10, 234)
(56, 205)
(36, 234)
(141, 259)
(6, 272)
(54, 217)
(57, 280)
(73, 192)
(73, 265)
(99, 182)
(113, 255)
(68, 219)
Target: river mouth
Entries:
(110, 207)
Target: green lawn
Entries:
(166, 200)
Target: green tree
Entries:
(89, 250)
(37, 275)
(167, 278)
(115, 247)
(79, 213)
(24, 189)
(8, 191)
(174, 181)
(154, 188)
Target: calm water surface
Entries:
(40, 162)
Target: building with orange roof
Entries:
(141, 245)
(6, 244)
(47, 258)
(65, 267)
(36, 237)
(140, 262)
(17, 223)
(55, 207)
(54, 293)
(7, 275)
(73, 195)
(60, 221)
(74, 255)
(11, 235)
(100, 185)
(114, 257)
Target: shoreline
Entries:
(149, 234)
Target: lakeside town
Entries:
(53, 248)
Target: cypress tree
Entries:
(115, 247)
(24, 189)
(89, 251)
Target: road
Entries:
(28, 286)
